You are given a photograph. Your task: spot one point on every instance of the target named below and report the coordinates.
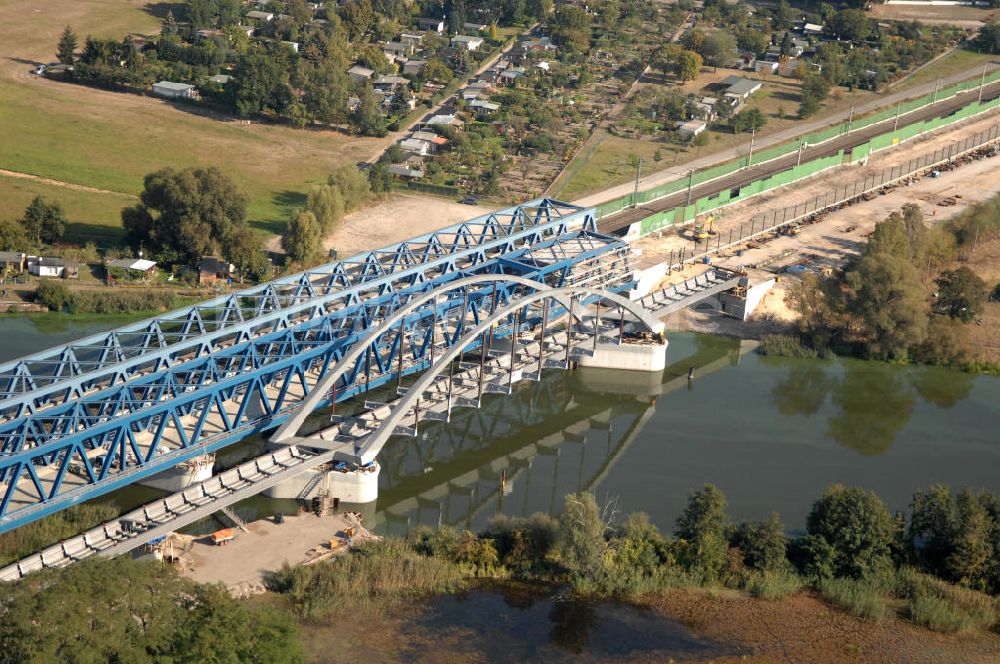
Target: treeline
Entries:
(122, 611)
(854, 552)
(895, 299)
(56, 296)
(345, 190)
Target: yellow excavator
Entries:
(704, 228)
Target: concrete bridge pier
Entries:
(643, 356)
(346, 481)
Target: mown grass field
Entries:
(110, 140)
(956, 61)
(93, 217)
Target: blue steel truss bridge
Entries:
(83, 419)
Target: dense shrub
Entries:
(785, 345)
(944, 607)
(390, 571)
(862, 598)
(53, 294)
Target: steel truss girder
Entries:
(68, 372)
(107, 444)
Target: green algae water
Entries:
(772, 433)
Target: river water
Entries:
(772, 433)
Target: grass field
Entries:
(110, 140)
(93, 217)
(954, 62)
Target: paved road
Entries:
(681, 170)
(621, 220)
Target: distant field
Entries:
(110, 140)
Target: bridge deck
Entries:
(691, 291)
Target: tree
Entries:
(666, 55)
(972, 555)
(169, 24)
(932, 528)
(367, 118)
(762, 544)
(961, 294)
(44, 221)
(244, 251)
(186, 214)
(303, 238)
(815, 88)
(399, 104)
(571, 28)
(539, 9)
(688, 65)
(67, 46)
(581, 542)
(260, 83)
(885, 295)
(327, 204)
(102, 610)
(719, 48)
(12, 236)
(989, 37)
(858, 528)
(379, 178)
(889, 238)
(54, 295)
(325, 89)
(851, 24)
(436, 71)
(703, 525)
(749, 120)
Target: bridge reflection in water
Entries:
(557, 436)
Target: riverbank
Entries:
(518, 623)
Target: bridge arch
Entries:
(371, 444)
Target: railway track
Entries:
(618, 222)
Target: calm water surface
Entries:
(771, 433)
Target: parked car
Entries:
(469, 200)
(40, 70)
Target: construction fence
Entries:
(773, 220)
(860, 152)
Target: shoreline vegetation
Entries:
(911, 295)
(936, 569)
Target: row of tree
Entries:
(345, 190)
(895, 299)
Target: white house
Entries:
(42, 266)
(467, 42)
(173, 90)
(766, 66)
(416, 146)
(445, 121)
(812, 29)
(691, 128)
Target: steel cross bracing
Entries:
(243, 373)
(530, 307)
(70, 371)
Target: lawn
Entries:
(110, 140)
(93, 217)
(954, 62)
